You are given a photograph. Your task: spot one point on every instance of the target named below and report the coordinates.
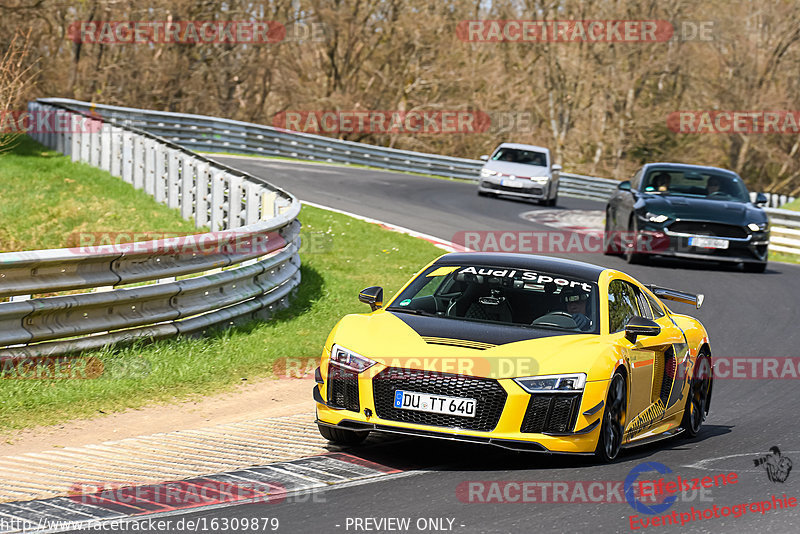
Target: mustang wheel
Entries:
(697, 403)
(631, 256)
(341, 436)
(610, 442)
(610, 248)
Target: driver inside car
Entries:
(575, 300)
(713, 185)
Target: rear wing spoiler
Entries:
(677, 296)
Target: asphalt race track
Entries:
(747, 315)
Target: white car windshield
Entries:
(525, 157)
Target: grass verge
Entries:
(358, 254)
(46, 200)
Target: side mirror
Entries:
(372, 296)
(639, 326)
(556, 167)
(761, 199)
(485, 157)
(624, 186)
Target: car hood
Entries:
(737, 213)
(517, 169)
(464, 347)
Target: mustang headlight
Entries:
(350, 360)
(552, 383)
(656, 218)
(758, 227)
(488, 172)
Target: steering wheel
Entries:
(718, 194)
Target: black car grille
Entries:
(343, 388)
(707, 228)
(489, 394)
(551, 412)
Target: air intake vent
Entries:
(457, 343)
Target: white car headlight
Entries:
(350, 360)
(540, 179)
(656, 218)
(758, 227)
(552, 383)
(488, 172)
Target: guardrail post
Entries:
(234, 201)
(94, 141)
(252, 202)
(160, 173)
(218, 200)
(201, 195)
(86, 142)
(268, 210)
(149, 166)
(173, 178)
(127, 156)
(116, 151)
(188, 187)
(62, 130)
(75, 151)
(138, 162)
(105, 147)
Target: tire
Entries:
(614, 416)
(632, 257)
(609, 247)
(341, 436)
(698, 398)
(754, 267)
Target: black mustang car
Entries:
(687, 211)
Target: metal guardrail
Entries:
(784, 230)
(247, 266)
(210, 134)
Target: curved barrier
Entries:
(245, 267)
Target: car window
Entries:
(658, 312)
(516, 155)
(504, 295)
(622, 304)
(697, 184)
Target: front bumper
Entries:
(657, 239)
(580, 438)
(527, 188)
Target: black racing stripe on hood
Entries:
(472, 330)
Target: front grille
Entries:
(551, 413)
(526, 190)
(707, 228)
(489, 394)
(343, 388)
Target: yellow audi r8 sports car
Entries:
(525, 352)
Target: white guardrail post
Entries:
(260, 257)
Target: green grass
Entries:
(359, 254)
(46, 200)
(793, 205)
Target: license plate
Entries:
(423, 402)
(511, 183)
(707, 242)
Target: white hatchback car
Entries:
(521, 171)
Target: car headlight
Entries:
(656, 218)
(488, 172)
(540, 179)
(758, 227)
(350, 360)
(552, 383)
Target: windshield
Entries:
(696, 184)
(501, 295)
(526, 157)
